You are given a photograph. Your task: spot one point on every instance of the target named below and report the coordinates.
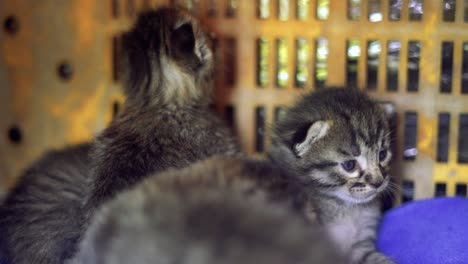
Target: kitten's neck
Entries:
(158, 105)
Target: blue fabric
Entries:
(432, 231)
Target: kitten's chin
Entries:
(363, 198)
(355, 198)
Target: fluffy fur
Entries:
(166, 122)
(169, 60)
(39, 220)
(216, 211)
(337, 142)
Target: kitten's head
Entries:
(169, 59)
(338, 141)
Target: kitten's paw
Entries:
(376, 258)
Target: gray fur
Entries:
(346, 203)
(166, 122)
(39, 220)
(216, 211)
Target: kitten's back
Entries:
(40, 216)
(211, 212)
(166, 121)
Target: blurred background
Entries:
(60, 81)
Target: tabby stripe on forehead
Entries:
(364, 137)
(380, 127)
(375, 133)
(355, 149)
(353, 138)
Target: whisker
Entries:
(387, 195)
(395, 186)
(393, 189)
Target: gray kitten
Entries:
(215, 211)
(337, 142)
(40, 218)
(166, 121)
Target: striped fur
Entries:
(346, 202)
(40, 218)
(166, 121)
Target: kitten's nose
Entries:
(373, 182)
(376, 184)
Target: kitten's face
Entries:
(355, 167)
(344, 152)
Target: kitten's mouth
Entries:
(356, 196)
(362, 193)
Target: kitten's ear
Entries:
(183, 38)
(314, 132)
(388, 108)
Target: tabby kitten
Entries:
(337, 142)
(166, 121)
(216, 211)
(39, 220)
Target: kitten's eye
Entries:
(382, 155)
(349, 165)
